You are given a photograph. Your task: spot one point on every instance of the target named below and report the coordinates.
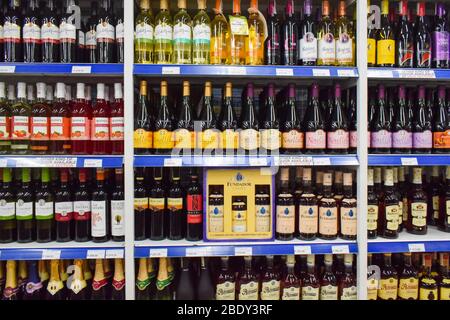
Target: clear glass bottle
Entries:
(201, 33)
(182, 35)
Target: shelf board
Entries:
(408, 74)
(57, 69)
(61, 161)
(56, 250)
(244, 161)
(433, 241)
(183, 248)
(409, 160)
(247, 71)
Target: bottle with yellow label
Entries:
(239, 213)
(163, 136)
(143, 120)
(208, 138)
(229, 140)
(385, 39)
(372, 281)
(256, 35)
(408, 288)
(428, 286)
(184, 127)
(417, 205)
(270, 124)
(238, 35)
(371, 40)
(444, 285)
(387, 289)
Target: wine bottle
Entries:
(157, 207)
(328, 281)
(408, 288)
(428, 286)
(270, 125)
(20, 122)
(201, 29)
(372, 207)
(8, 230)
(229, 140)
(307, 47)
(215, 209)
(289, 36)
(55, 287)
(219, 40)
(91, 34)
(345, 46)
(401, 136)
(310, 282)
(338, 138)
(99, 282)
(434, 197)
(50, 34)
(257, 27)
(347, 283)
(31, 34)
(422, 57)
(143, 40)
(118, 208)
(238, 33)
(163, 48)
(353, 118)
(163, 138)
(292, 140)
(386, 42)
(117, 131)
(100, 122)
(100, 209)
(24, 209)
(78, 286)
(290, 285)
(194, 209)
(380, 127)
(118, 283)
(40, 122)
(205, 288)
(272, 47)
(421, 126)
(141, 209)
(440, 38)
(81, 117)
(163, 281)
(44, 209)
(285, 204)
(247, 282)
(142, 281)
(82, 208)
(105, 33)
(249, 139)
(12, 32)
(60, 122)
(33, 286)
(67, 35)
(143, 128)
(208, 139)
(307, 209)
(405, 39)
(314, 125)
(417, 205)
(325, 38)
(184, 126)
(11, 290)
(182, 35)
(389, 204)
(63, 209)
(5, 121)
(371, 39)
(185, 284)
(441, 125)
(175, 207)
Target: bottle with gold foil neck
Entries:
(238, 36)
(99, 283)
(163, 281)
(163, 37)
(229, 141)
(43, 272)
(388, 288)
(118, 282)
(144, 30)
(55, 286)
(385, 39)
(428, 287)
(182, 35)
(201, 35)
(78, 285)
(208, 139)
(408, 288)
(22, 277)
(151, 270)
(219, 36)
(184, 126)
(345, 42)
(2, 276)
(444, 282)
(143, 281)
(257, 27)
(163, 137)
(11, 289)
(143, 122)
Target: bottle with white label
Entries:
(417, 205)
(247, 283)
(44, 209)
(347, 210)
(201, 34)
(63, 208)
(388, 226)
(143, 40)
(225, 282)
(345, 46)
(7, 209)
(310, 282)
(290, 286)
(20, 122)
(182, 35)
(116, 123)
(100, 210)
(105, 33)
(5, 121)
(215, 209)
(328, 281)
(120, 38)
(25, 209)
(118, 208)
(82, 208)
(163, 36)
(263, 209)
(270, 282)
(12, 32)
(32, 34)
(347, 282)
(444, 216)
(40, 122)
(68, 36)
(372, 207)
(325, 38)
(308, 209)
(285, 204)
(328, 210)
(60, 122)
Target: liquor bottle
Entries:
(24, 209)
(55, 287)
(372, 285)
(116, 131)
(422, 50)
(208, 139)
(67, 36)
(157, 207)
(348, 210)
(372, 207)
(338, 137)
(328, 281)
(417, 205)
(175, 207)
(100, 209)
(100, 123)
(225, 282)
(63, 209)
(182, 35)
(308, 209)
(50, 34)
(440, 36)
(141, 210)
(385, 38)
(143, 40)
(345, 46)
(184, 126)
(434, 195)
(428, 286)
(254, 45)
(388, 286)
(194, 206)
(405, 39)
(78, 285)
(215, 209)
(270, 281)
(421, 126)
(270, 125)
(44, 209)
(12, 32)
(40, 122)
(20, 122)
(292, 140)
(328, 211)
(310, 282)
(285, 204)
(185, 285)
(441, 125)
(205, 288)
(229, 140)
(163, 36)
(5, 121)
(444, 282)
(118, 282)
(314, 125)
(347, 282)
(43, 272)
(118, 208)
(272, 47)
(389, 208)
(290, 285)
(163, 281)
(238, 33)
(247, 283)
(82, 208)
(11, 290)
(60, 122)
(408, 288)
(143, 281)
(219, 39)
(8, 231)
(31, 31)
(325, 37)
(380, 127)
(81, 117)
(239, 214)
(249, 139)
(105, 33)
(33, 286)
(99, 283)
(444, 221)
(163, 137)
(401, 136)
(143, 128)
(352, 122)
(338, 191)
(201, 29)
(307, 47)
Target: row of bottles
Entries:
(41, 124)
(245, 40)
(62, 280)
(328, 125)
(416, 276)
(64, 207)
(53, 31)
(309, 277)
(407, 200)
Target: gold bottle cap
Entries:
(208, 89)
(348, 259)
(311, 259)
(388, 177)
(143, 88)
(201, 4)
(319, 177)
(164, 88)
(254, 4)
(435, 171)
(145, 4)
(284, 175)
(328, 259)
(290, 260)
(228, 90)
(417, 175)
(186, 89)
(447, 173)
(164, 5)
(370, 177)
(182, 4)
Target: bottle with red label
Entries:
(81, 123)
(5, 122)
(82, 208)
(32, 34)
(20, 122)
(194, 201)
(314, 125)
(116, 130)
(60, 123)
(63, 208)
(338, 137)
(100, 123)
(40, 122)
(12, 22)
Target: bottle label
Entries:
(441, 140)
(285, 223)
(105, 32)
(194, 209)
(144, 33)
(316, 140)
(270, 290)
(444, 292)
(5, 128)
(423, 140)
(348, 220)
(292, 139)
(67, 32)
(381, 139)
(435, 203)
(24, 210)
(428, 294)
(209, 139)
(44, 210)
(419, 214)
(216, 218)
(117, 217)
(354, 139)
(163, 139)
(447, 211)
(100, 129)
(202, 34)
(184, 139)
(54, 286)
(182, 33)
(225, 291)
(344, 49)
(174, 204)
(249, 291)
(31, 33)
(239, 221)
(82, 210)
(424, 54)
(163, 33)
(308, 219)
(372, 289)
(1, 34)
(270, 139)
(140, 204)
(238, 26)
(308, 47)
(371, 52)
(230, 139)
(116, 129)
(143, 139)
(328, 221)
(338, 139)
(310, 293)
(372, 217)
(349, 293)
(50, 33)
(98, 218)
(80, 128)
(20, 127)
(392, 212)
(405, 54)
(32, 287)
(63, 211)
(405, 209)
(249, 139)
(7, 210)
(388, 289)
(156, 204)
(120, 32)
(441, 45)
(11, 32)
(402, 139)
(327, 49)
(386, 51)
(91, 39)
(81, 39)
(408, 288)
(39, 129)
(263, 218)
(291, 293)
(60, 128)
(328, 292)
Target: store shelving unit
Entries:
(408, 74)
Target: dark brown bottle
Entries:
(417, 205)
(176, 207)
(100, 210)
(63, 208)
(194, 209)
(328, 281)
(314, 125)
(82, 208)
(290, 285)
(348, 210)
(285, 204)
(434, 194)
(388, 280)
(338, 136)
(141, 209)
(308, 220)
(157, 207)
(292, 136)
(310, 282)
(44, 209)
(270, 282)
(441, 124)
(372, 207)
(388, 208)
(347, 282)
(247, 283)
(408, 288)
(428, 286)
(225, 282)
(328, 211)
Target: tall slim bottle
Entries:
(208, 139)
(82, 208)
(380, 127)
(60, 122)
(105, 33)
(441, 125)
(163, 137)
(184, 126)
(389, 208)
(143, 127)
(100, 123)
(12, 32)
(40, 122)
(100, 209)
(63, 208)
(272, 44)
(163, 48)
(325, 37)
(50, 34)
(31, 34)
(141, 210)
(385, 38)
(440, 38)
(67, 36)
(338, 136)
(238, 33)
(143, 40)
(285, 204)
(314, 125)
(421, 125)
(249, 139)
(25, 209)
(194, 209)
(345, 42)
(5, 121)
(402, 138)
(307, 47)
(80, 125)
(289, 36)
(117, 207)
(423, 49)
(116, 121)
(270, 124)
(256, 35)
(20, 122)
(229, 140)
(201, 28)
(219, 36)
(44, 209)
(8, 230)
(405, 39)
(157, 207)
(182, 35)
(176, 207)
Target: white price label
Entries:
(344, 249)
(409, 162)
(257, 162)
(59, 162)
(346, 73)
(372, 73)
(293, 161)
(236, 71)
(322, 161)
(173, 162)
(51, 254)
(243, 251)
(93, 163)
(82, 69)
(7, 69)
(95, 254)
(416, 74)
(158, 253)
(171, 70)
(287, 72)
(321, 72)
(3, 163)
(302, 249)
(114, 254)
(196, 252)
(416, 247)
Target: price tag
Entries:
(257, 162)
(7, 69)
(236, 71)
(346, 73)
(51, 254)
(293, 161)
(196, 252)
(321, 72)
(322, 161)
(82, 69)
(93, 163)
(158, 253)
(416, 74)
(173, 162)
(59, 162)
(170, 70)
(340, 249)
(416, 247)
(3, 163)
(114, 254)
(302, 249)
(243, 251)
(373, 73)
(286, 72)
(95, 254)
(409, 162)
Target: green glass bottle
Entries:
(182, 35)
(44, 209)
(143, 41)
(201, 35)
(7, 209)
(5, 122)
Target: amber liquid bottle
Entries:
(328, 281)
(270, 282)
(428, 286)
(348, 210)
(310, 281)
(408, 288)
(11, 290)
(347, 282)
(389, 208)
(247, 283)
(184, 126)
(229, 141)
(388, 281)
(417, 205)
(285, 204)
(372, 207)
(208, 139)
(225, 282)
(163, 137)
(328, 211)
(308, 220)
(290, 285)
(444, 216)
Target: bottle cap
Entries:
(236, 6)
(272, 9)
(80, 91)
(164, 88)
(441, 92)
(348, 179)
(307, 7)
(49, 93)
(421, 93)
(337, 91)
(291, 93)
(68, 92)
(270, 90)
(370, 177)
(30, 92)
(60, 90)
(315, 90)
(440, 9)
(208, 89)
(250, 90)
(381, 91)
(88, 93)
(107, 94)
(186, 89)
(421, 9)
(41, 90)
(21, 90)
(100, 91)
(11, 91)
(403, 9)
(118, 91)
(401, 92)
(163, 5)
(307, 174)
(289, 7)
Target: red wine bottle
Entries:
(401, 127)
(50, 34)
(289, 34)
(314, 125)
(405, 38)
(100, 209)
(194, 206)
(175, 207)
(380, 127)
(105, 33)
(63, 208)
(270, 124)
(120, 39)
(441, 125)
(157, 206)
(422, 39)
(272, 44)
(248, 123)
(12, 21)
(307, 46)
(421, 125)
(32, 34)
(441, 38)
(82, 208)
(338, 137)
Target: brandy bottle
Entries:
(387, 289)
(417, 205)
(328, 281)
(408, 288)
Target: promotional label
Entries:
(349, 293)
(80, 128)
(408, 288)
(392, 213)
(117, 217)
(328, 223)
(20, 127)
(270, 290)
(291, 293)
(184, 139)
(225, 291)
(292, 139)
(67, 32)
(249, 139)
(239, 220)
(441, 45)
(386, 51)
(316, 140)
(308, 47)
(215, 218)
(423, 140)
(163, 33)
(182, 33)
(424, 55)
(371, 51)
(344, 49)
(98, 218)
(249, 291)
(329, 292)
(263, 218)
(163, 139)
(43, 210)
(194, 209)
(59, 128)
(144, 32)
(31, 33)
(7, 210)
(338, 139)
(308, 219)
(209, 139)
(82, 210)
(50, 33)
(310, 293)
(202, 34)
(388, 289)
(327, 49)
(285, 219)
(63, 211)
(372, 217)
(116, 129)
(5, 127)
(402, 139)
(270, 139)
(419, 214)
(230, 139)
(381, 139)
(100, 129)
(40, 128)
(105, 32)
(348, 221)
(24, 210)
(441, 140)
